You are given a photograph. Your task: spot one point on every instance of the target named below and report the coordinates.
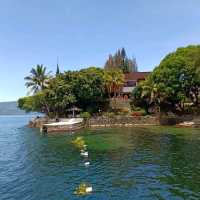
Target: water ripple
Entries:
(129, 164)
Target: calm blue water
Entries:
(147, 163)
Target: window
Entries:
(130, 83)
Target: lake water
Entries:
(126, 164)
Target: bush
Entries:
(79, 143)
(138, 113)
(82, 189)
(109, 114)
(85, 115)
(124, 111)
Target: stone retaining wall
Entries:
(38, 122)
(174, 119)
(122, 121)
(125, 121)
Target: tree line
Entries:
(89, 89)
(174, 85)
(121, 61)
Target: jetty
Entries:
(63, 125)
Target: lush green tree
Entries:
(174, 81)
(58, 96)
(121, 61)
(33, 103)
(88, 88)
(185, 64)
(37, 80)
(54, 100)
(141, 97)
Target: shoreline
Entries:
(47, 125)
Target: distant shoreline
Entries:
(20, 115)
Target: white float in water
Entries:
(84, 153)
(87, 164)
(88, 189)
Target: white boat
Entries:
(71, 121)
(63, 125)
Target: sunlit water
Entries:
(136, 163)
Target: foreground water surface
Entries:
(128, 163)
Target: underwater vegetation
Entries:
(83, 189)
(79, 143)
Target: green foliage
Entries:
(79, 143)
(109, 114)
(87, 87)
(57, 70)
(176, 79)
(38, 79)
(124, 111)
(113, 81)
(32, 103)
(59, 96)
(138, 113)
(82, 189)
(84, 89)
(141, 97)
(54, 100)
(85, 115)
(121, 61)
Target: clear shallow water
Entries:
(147, 163)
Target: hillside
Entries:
(10, 108)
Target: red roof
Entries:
(136, 75)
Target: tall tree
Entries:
(114, 80)
(37, 80)
(57, 70)
(120, 61)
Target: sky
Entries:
(83, 33)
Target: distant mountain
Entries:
(10, 108)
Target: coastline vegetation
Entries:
(173, 86)
(88, 89)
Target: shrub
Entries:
(79, 143)
(85, 115)
(124, 111)
(82, 189)
(138, 113)
(109, 114)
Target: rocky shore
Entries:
(125, 121)
(102, 121)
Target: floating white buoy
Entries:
(88, 189)
(87, 164)
(84, 153)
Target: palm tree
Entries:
(114, 80)
(38, 78)
(108, 83)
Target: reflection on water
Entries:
(131, 163)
